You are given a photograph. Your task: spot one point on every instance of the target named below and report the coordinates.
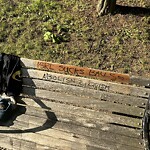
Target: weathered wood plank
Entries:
(102, 95)
(103, 131)
(4, 144)
(19, 144)
(38, 120)
(43, 141)
(122, 147)
(46, 141)
(75, 70)
(91, 103)
(58, 145)
(78, 138)
(68, 136)
(31, 137)
(88, 117)
(140, 81)
(47, 117)
(85, 72)
(10, 143)
(84, 82)
(43, 114)
(88, 140)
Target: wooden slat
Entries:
(97, 141)
(58, 144)
(85, 72)
(45, 141)
(13, 143)
(3, 142)
(91, 99)
(88, 117)
(67, 136)
(87, 140)
(87, 83)
(103, 131)
(50, 141)
(10, 143)
(73, 136)
(90, 103)
(140, 81)
(67, 125)
(75, 70)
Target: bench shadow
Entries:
(50, 117)
(132, 10)
(10, 121)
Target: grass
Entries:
(65, 31)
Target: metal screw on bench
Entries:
(148, 85)
(145, 93)
(141, 133)
(143, 103)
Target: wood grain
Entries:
(85, 72)
(77, 71)
(95, 139)
(82, 82)
(88, 117)
(66, 107)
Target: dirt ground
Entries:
(70, 32)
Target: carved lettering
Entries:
(97, 73)
(120, 77)
(114, 77)
(97, 86)
(71, 71)
(69, 80)
(76, 82)
(85, 72)
(50, 77)
(80, 72)
(103, 74)
(61, 68)
(92, 73)
(44, 65)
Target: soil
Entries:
(70, 32)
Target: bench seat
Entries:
(58, 111)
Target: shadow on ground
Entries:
(132, 10)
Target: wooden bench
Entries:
(57, 111)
